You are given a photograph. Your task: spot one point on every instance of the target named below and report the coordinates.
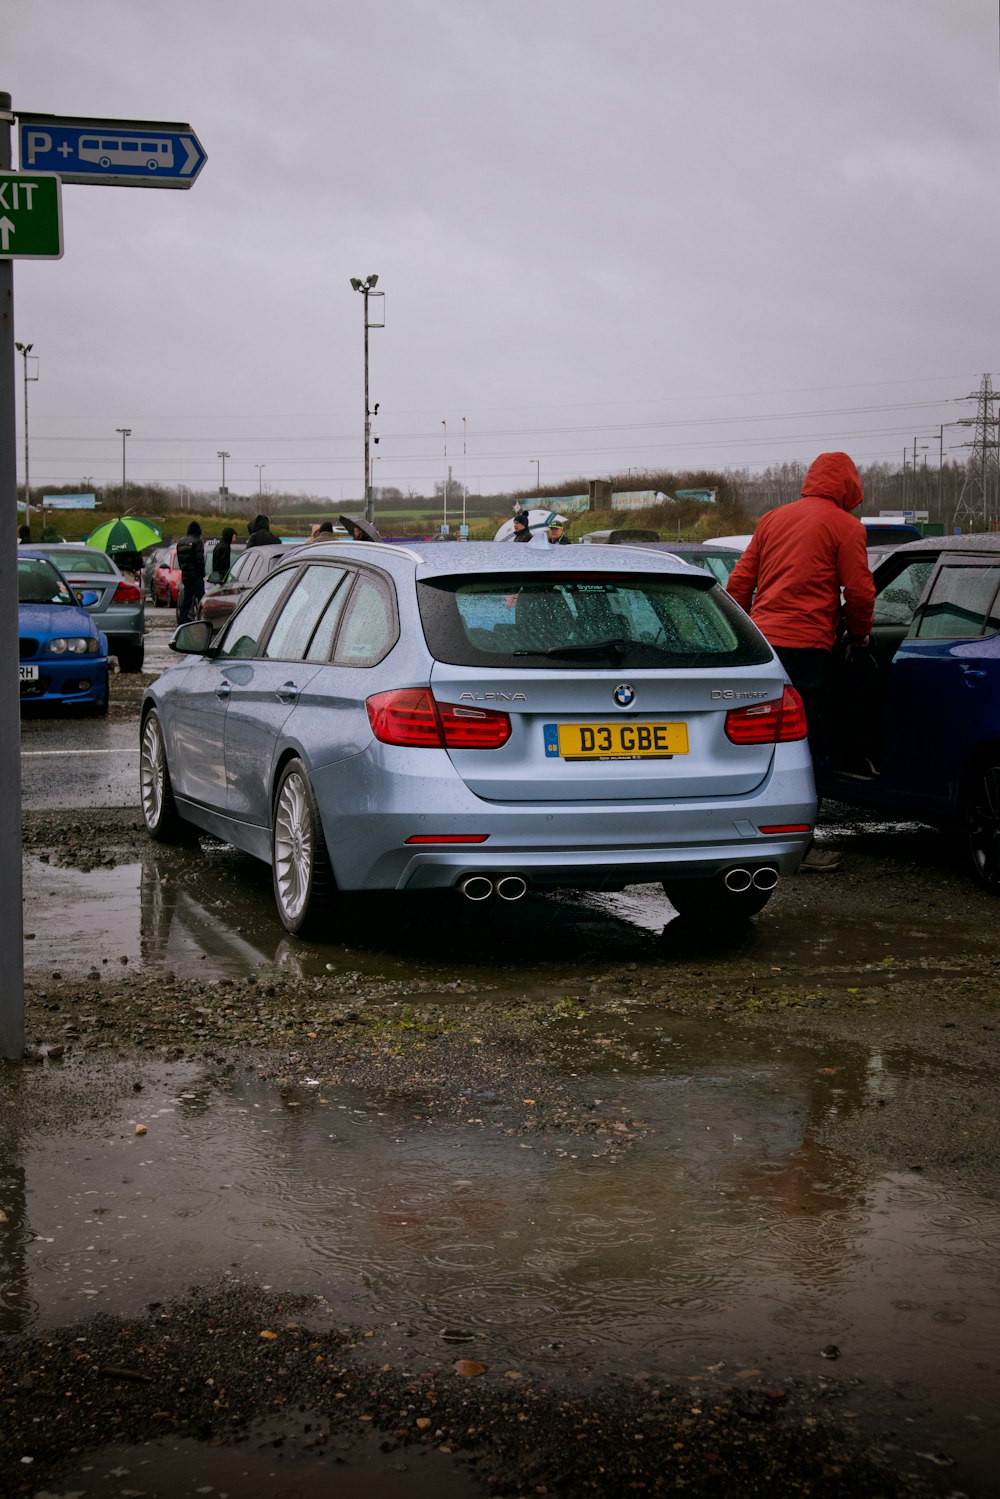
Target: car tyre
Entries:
(300, 865)
(131, 657)
(159, 810)
(704, 899)
(982, 825)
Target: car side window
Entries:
(302, 611)
(248, 623)
(321, 645)
(369, 629)
(961, 598)
(897, 602)
(239, 567)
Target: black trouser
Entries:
(190, 594)
(808, 669)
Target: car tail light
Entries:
(410, 716)
(127, 593)
(785, 827)
(473, 728)
(768, 723)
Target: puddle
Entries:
(211, 914)
(728, 1233)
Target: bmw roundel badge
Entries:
(624, 695)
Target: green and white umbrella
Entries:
(129, 533)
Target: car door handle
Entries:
(973, 673)
(287, 692)
(224, 689)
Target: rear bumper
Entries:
(599, 869)
(597, 844)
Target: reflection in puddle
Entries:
(723, 1228)
(210, 914)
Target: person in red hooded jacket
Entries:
(804, 570)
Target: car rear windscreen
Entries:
(89, 561)
(577, 621)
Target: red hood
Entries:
(833, 476)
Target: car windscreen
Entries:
(575, 621)
(39, 583)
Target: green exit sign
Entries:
(30, 216)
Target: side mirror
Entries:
(214, 577)
(193, 638)
(88, 598)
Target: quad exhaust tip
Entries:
(738, 880)
(479, 887)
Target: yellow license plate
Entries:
(624, 740)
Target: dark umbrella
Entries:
(366, 528)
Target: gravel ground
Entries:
(219, 1368)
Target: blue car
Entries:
(63, 655)
(915, 726)
(485, 718)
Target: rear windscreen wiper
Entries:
(616, 648)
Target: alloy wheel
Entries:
(152, 768)
(294, 846)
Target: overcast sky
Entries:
(611, 234)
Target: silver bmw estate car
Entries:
(485, 719)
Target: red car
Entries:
(249, 568)
(166, 580)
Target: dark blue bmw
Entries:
(915, 726)
(63, 655)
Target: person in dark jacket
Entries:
(261, 534)
(222, 552)
(522, 524)
(191, 561)
(557, 532)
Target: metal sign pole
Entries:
(11, 914)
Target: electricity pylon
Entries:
(979, 501)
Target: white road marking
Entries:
(37, 754)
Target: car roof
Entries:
(974, 541)
(71, 548)
(487, 557)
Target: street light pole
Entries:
(365, 288)
(465, 470)
(24, 350)
(124, 432)
(222, 488)
(538, 482)
(11, 918)
(260, 467)
(444, 520)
